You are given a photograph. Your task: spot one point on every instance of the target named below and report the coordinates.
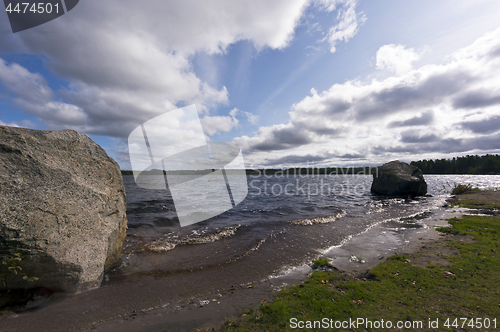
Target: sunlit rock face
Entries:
(63, 208)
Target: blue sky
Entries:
(293, 83)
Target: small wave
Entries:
(160, 246)
(396, 200)
(320, 220)
(257, 246)
(376, 210)
(195, 237)
(219, 234)
(417, 216)
(379, 203)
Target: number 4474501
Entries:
(476, 323)
(36, 8)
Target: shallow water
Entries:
(284, 221)
(268, 235)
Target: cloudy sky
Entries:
(323, 82)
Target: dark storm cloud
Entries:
(423, 120)
(384, 150)
(296, 159)
(320, 128)
(311, 159)
(326, 131)
(414, 137)
(449, 145)
(352, 156)
(490, 142)
(336, 106)
(494, 53)
(403, 97)
(284, 138)
(477, 99)
(488, 126)
(442, 146)
(109, 128)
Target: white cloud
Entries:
(214, 124)
(21, 81)
(396, 58)
(234, 112)
(430, 110)
(32, 93)
(22, 124)
(348, 21)
(128, 62)
(314, 48)
(252, 118)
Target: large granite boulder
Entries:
(397, 178)
(62, 208)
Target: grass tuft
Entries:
(320, 262)
(460, 189)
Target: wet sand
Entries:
(384, 240)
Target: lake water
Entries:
(285, 221)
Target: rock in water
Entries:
(62, 207)
(397, 178)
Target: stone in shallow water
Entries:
(63, 206)
(397, 178)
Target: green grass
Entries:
(320, 262)
(460, 189)
(396, 290)
(471, 204)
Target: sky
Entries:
(292, 82)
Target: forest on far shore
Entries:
(487, 164)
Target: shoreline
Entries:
(189, 315)
(423, 258)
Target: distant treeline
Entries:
(487, 164)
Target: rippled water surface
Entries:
(283, 222)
